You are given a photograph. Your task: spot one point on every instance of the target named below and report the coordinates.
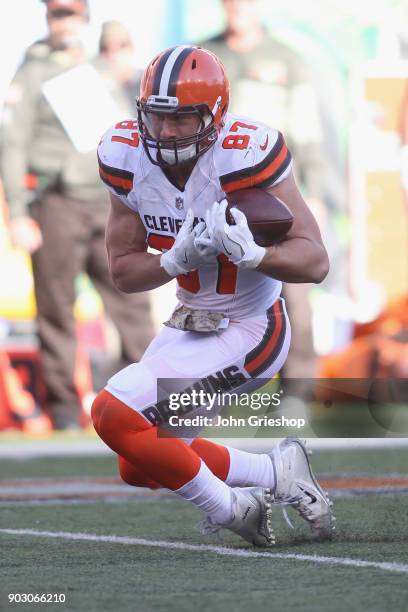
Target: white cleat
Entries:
(252, 509)
(297, 486)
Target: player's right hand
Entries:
(183, 257)
(235, 241)
(25, 234)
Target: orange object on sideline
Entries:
(18, 408)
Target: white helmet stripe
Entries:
(168, 67)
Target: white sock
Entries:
(250, 469)
(210, 494)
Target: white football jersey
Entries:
(246, 154)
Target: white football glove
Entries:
(203, 243)
(235, 241)
(183, 257)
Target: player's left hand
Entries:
(235, 241)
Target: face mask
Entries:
(183, 155)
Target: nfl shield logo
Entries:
(179, 203)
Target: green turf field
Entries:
(148, 574)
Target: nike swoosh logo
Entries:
(246, 513)
(226, 250)
(265, 144)
(312, 497)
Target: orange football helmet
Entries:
(183, 80)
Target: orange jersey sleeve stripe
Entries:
(121, 181)
(116, 181)
(276, 167)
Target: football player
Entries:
(168, 173)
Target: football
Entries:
(269, 219)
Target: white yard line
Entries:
(219, 550)
(27, 449)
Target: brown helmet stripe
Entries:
(168, 70)
(175, 73)
(159, 70)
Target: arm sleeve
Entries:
(267, 163)
(117, 180)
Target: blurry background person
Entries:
(117, 59)
(61, 219)
(268, 75)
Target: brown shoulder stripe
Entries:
(121, 181)
(270, 168)
(264, 184)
